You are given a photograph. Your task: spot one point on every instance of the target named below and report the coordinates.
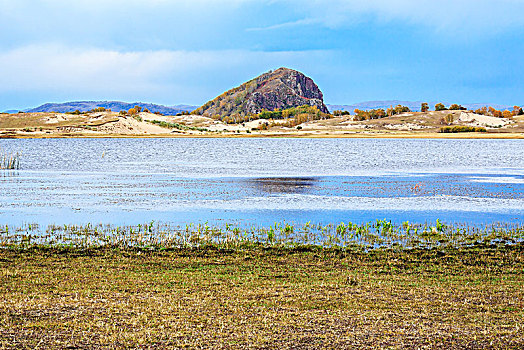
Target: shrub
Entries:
(461, 128)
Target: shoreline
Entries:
(306, 135)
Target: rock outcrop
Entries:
(279, 89)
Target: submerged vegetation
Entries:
(381, 234)
(9, 161)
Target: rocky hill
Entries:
(279, 89)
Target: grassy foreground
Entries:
(266, 297)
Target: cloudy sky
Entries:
(188, 51)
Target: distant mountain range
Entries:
(115, 106)
(172, 110)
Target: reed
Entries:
(9, 161)
(381, 234)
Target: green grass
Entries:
(462, 128)
(381, 234)
(177, 126)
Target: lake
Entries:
(252, 181)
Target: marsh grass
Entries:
(270, 297)
(9, 161)
(381, 234)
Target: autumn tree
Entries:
(456, 107)
(517, 111)
(132, 111)
(482, 111)
(424, 107)
(507, 114)
(399, 109)
(440, 107)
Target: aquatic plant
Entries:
(9, 160)
(382, 234)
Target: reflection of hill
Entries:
(283, 184)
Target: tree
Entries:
(449, 119)
(132, 111)
(440, 107)
(424, 107)
(482, 111)
(380, 113)
(517, 111)
(507, 114)
(399, 109)
(456, 107)
(138, 109)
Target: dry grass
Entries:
(261, 298)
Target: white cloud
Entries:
(469, 17)
(144, 73)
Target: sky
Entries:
(189, 51)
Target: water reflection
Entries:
(9, 173)
(277, 185)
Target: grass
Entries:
(371, 285)
(9, 161)
(177, 126)
(462, 128)
(381, 234)
(266, 297)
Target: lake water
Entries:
(260, 181)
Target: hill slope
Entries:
(280, 89)
(115, 106)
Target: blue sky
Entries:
(189, 51)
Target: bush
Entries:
(99, 109)
(462, 128)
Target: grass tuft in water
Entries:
(9, 161)
(378, 235)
